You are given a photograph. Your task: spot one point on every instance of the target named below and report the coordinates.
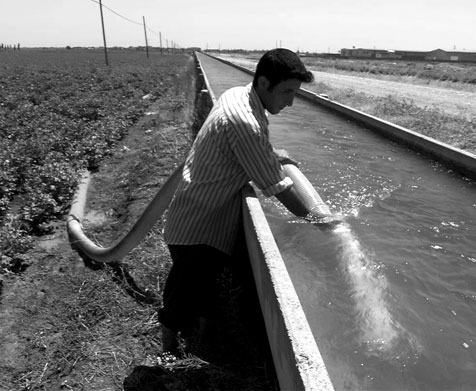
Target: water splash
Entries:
(350, 196)
(379, 331)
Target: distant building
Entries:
(411, 55)
(441, 55)
(434, 55)
(369, 53)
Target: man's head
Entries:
(278, 77)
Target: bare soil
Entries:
(449, 97)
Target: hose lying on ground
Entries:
(144, 224)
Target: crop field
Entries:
(67, 322)
(61, 112)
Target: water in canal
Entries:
(391, 299)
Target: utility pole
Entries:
(160, 35)
(103, 33)
(145, 33)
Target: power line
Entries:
(117, 13)
(125, 18)
(101, 6)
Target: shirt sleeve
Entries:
(253, 151)
(286, 183)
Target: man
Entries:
(231, 149)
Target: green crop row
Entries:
(62, 112)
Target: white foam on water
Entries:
(378, 331)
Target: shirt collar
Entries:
(256, 105)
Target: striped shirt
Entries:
(231, 149)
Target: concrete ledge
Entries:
(298, 362)
(241, 68)
(203, 75)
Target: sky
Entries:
(304, 25)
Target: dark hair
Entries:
(278, 65)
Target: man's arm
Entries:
(302, 200)
(293, 202)
(284, 157)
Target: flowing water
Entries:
(391, 295)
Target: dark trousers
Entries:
(191, 289)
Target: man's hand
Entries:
(284, 158)
(324, 221)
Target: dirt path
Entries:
(72, 324)
(451, 100)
